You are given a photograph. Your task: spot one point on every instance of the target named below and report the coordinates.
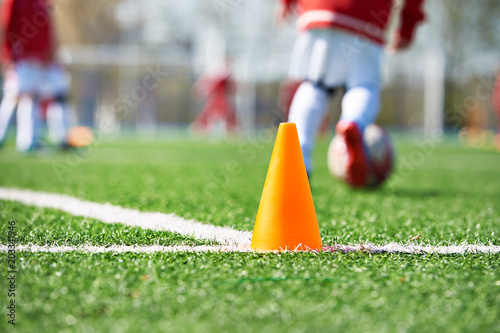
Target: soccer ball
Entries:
(380, 152)
(79, 136)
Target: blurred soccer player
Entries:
(27, 45)
(217, 89)
(341, 43)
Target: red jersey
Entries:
(27, 33)
(215, 87)
(368, 18)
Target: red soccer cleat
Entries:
(357, 165)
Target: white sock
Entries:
(57, 122)
(27, 123)
(307, 111)
(7, 108)
(361, 105)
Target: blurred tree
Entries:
(87, 22)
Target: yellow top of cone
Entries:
(286, 219)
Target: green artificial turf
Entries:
(439, 195)
(241, 292)
(451, 195)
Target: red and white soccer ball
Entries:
(380, 152)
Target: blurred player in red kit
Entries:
(27, 45)
(496, 104)
(217, 89)
(340, 43)
(33, 74)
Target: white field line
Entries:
(415, 249)
(123, 248)
(232, 240)
(389, 248)
(108, 213)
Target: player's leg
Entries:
(57, 81)
(28, 114)
(360, 104)
(202, 120)
(28, 111)
(7, 108)
(57, 119)
(8, 103)
(307, 111)
(360, 107)
(230, 117)
(311, 59)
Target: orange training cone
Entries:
(286, 219)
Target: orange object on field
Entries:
(286, 220)
(79, 136)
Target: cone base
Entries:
(285, 246)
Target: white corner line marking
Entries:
(124, 248)
(108, 213)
